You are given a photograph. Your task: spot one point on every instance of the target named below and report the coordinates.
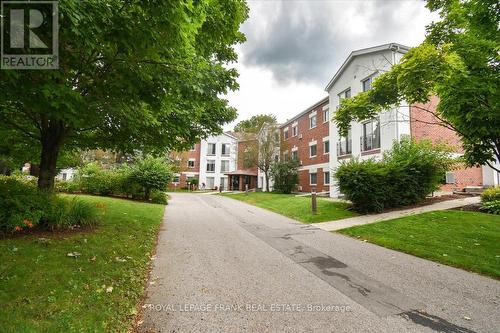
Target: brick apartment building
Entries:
(312, 139)
(216, 163)
(305, 138)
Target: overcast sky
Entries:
(294, 47)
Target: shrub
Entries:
(159, 197)
(406, 175)
(151, 174)
(23, 206)
(490, 200)
(68, 186)
(285, 176)
(64, 213)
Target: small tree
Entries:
(152, 174)
(262, 153)
(285, 176)
(255, 123)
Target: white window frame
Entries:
(326, 179)
(295, 130)
(326, 115)
(310, 178)
(209, 162)
(311, 117)
(285, 134)
(310, 150)
(225, 146)
(223, 162)
(209, 153)
(194, 163)
(326, 142)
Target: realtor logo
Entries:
(30, 32)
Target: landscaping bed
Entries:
(79, 281)
(298, 208)
(464, 239)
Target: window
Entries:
(210, 166)
(295, 130)
(176, 179)
(225, 149)
(210, 182)
(313, 150)
(312, 121)
(295, 155)
(367, 84)
(345, 94)
(313, 178)
(223, 183)
(224, 166)
(326, 147)
(191, 163)
(285, 133)
(326, 176)
(285, 156)
(371, 135)
(64, 176)
(326, 115)
(276, 158)
(344, 146)
(211, 149)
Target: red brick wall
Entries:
(318, 133)
(242, 146)
(424, 125)
(184, 157)
(304, 181)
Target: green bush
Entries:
(68, 186)
(152, 174)
(23, 206)
(285, 176)
(159, 197)
(63, 213)
(406, 175)
(490, 200)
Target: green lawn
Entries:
(44, 290)
(298, 208)
(468, 240)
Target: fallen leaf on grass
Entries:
(74, 254)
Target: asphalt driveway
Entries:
(225, 266)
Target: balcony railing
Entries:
(370, 142)
(344, 147)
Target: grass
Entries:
(42, 289)
(468, 240)
(298, 208)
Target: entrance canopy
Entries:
(239, 179)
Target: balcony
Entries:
(370, 143)
(344, 147)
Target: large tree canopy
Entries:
(459, 62)
(134, 74)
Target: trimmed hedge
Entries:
(405, 175)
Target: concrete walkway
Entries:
(222, 265)
(373, 218)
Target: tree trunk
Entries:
(267, 180)
(51, 140)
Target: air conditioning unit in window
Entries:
(300, 136)
(300, 162)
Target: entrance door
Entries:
(235, 186)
